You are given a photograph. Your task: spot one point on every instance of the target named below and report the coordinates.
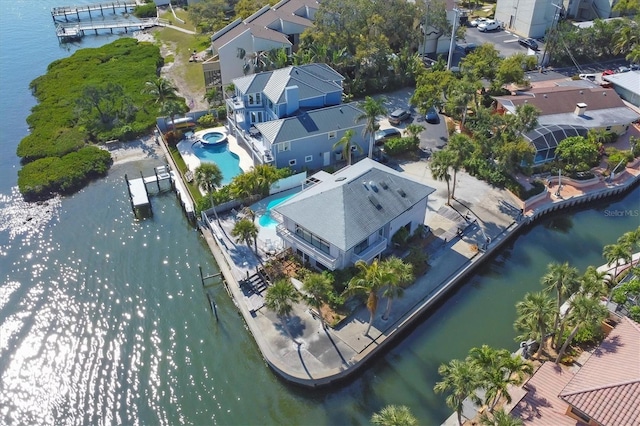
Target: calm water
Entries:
(103, 318)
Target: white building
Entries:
(528, 18)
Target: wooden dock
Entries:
(139, 191)
(75, 30)
(113, 6)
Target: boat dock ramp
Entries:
(139, 195)
(76, 28)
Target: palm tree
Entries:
(594, 283)
(318, 287)
(535, 313)
(587, 312)
(247, 231)
(401, 274)
(369, 280)
(346, 146)
(394, 415)
(500, 418)
(439, 165)
(461, 379)
(372, 109)
(208, 177)
(413, 130)
(171, 108)
(617, 254)
(280, 298)
(462, 147)
(564, 279)
(161, 89)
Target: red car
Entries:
(608, 72)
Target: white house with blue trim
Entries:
(292, 117)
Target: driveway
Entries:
(505, 41)
(433, 137)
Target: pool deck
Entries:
(185, 147)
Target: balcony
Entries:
(304, 246)
(236, 103)
(371, 252)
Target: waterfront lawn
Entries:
(183, 45)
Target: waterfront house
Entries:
(350, 215)
(292, 117)
(604, 391)
(238, 48)
(569, 110)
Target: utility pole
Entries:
(453, 35)
(552, 35)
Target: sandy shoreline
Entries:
(140, 149)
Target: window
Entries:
(251, 99)
(258, 100)
(256, 117)
(284, 146)
(332, 135)
(292, 162)
(308, 158)
(316, 242)
(579, 414)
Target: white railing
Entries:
(305, 247)
(371, 251)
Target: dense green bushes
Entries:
(92, 96)
(43, 177)
(397, 146)
(147, 10)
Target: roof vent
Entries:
(401, 192)
(341, 178)
(373, 186)
(545, 95)
(384, 185)
(375, 202)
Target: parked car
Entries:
(590, 77)
(470, 47)
(398, 116)
(623, 69)
(529, 43)
(478, 21)
(489, 25)
(432, 116)
(634, 67)
(608, 72)
(383, 134)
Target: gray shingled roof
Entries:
(309, 123)
(341, 209)
(312, 81)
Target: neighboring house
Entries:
(238, 47)
(586, 10)
(529, 18)
(292, 117)
(627, 85)
(435, 43)
(569, 111)
(605, 391)
(350, 215)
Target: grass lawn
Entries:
(180, 13)
(196, 195)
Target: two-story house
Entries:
(350, 215)
(237, 48)
(292, 117)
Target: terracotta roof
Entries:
(607, 387)
(563, 99)
(541, 405)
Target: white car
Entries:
(478, 21)
(489, 25)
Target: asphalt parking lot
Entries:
(506, 42)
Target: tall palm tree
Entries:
(440, 163)
(460, 379)
(500, 418)
(535, 313)
(280, 298)
(594, 283)
(617, 254)
(208, 176)
(247, 231)
(171, 108)
(318, 287)
(587, 312)
(161, 89)
(461, 147)
(346, 146)
(401, 274)
(564, 280)
(372, 109)
(394, 415)
(369, 280)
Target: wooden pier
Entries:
(139, 191)
(65, 11)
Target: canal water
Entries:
(103, 318)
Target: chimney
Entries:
(581, 108)
(292, 98)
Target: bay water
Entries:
(103, 319)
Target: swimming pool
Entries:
(227, 161)
(265, 220)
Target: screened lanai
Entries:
(546, 138)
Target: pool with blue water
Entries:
(227, 161)
(266, 220)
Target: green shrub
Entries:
(222, 112)
(400, 237)
(207, 120)
(615, 156)
(396, 146)
(147, 10)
